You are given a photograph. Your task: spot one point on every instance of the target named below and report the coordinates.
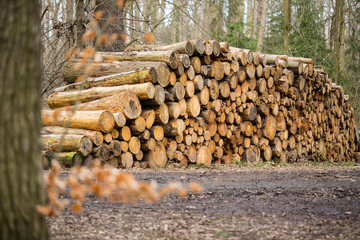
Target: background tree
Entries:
(112, 22)
(339, 37)
(260, 41)
(80, 22)
(287, 23)
(21, 187)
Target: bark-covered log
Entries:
(143, 91)
(95, 136)
(68, 143)
(126, 103)
(93, 120)
(170, 57)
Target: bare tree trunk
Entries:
(197, 17)
(138, 28)
(183, 23)
(132, 16)
(21, 188)
(203, 20)
(262, 25)
(253, 18)
(69, 6)
(249, 17)
(154, 15)
(287, 23)
(322, 11)
(175, 21)
(112, 11)
(80, 22)
(258, 17)
(329, 24)
(147, 15)
(161, 18)
(339, 36)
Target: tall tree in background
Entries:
(249, 17)
(235, 22)
(217, 21)
(287, 23)
(21, 182)
(80, 22)
(112, 21)
(262, 25)
(257, 22)
(339, 36)
(329, 24)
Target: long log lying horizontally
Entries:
(144, 91)
(158, 71)
(93, 120)
(96, 137)
(170, 57)
(126, 103)
(79, 143)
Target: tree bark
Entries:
(339, 36)
(127, 104)
(143, 91)
(287, 23)
(21, 188)
(249, 17)
(112, 22)
(92, 120)
(262, 25)
(80, 22)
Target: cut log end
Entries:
(204, 156)
(157, 157)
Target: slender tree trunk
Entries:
(131, 16)
(147, 15)
(197, 16)
(329, 24)
(249, 17)
(69, 6)
(213, 19)
(339, 36)
(322, 20)
(138, 28)
(80, 22)
(287, 23)
(258, 17)
(175, 21)
(183, 23)
(154, 15)
(253, 18)
(69, 9)
(262, 25)
(241, 9)
(21, 182)
(161, 17)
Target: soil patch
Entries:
(237, 203)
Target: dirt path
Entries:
(237, 203)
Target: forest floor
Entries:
(291, 202)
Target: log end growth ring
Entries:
(132, 107)
(107, 121)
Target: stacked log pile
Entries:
(198, 102)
